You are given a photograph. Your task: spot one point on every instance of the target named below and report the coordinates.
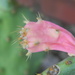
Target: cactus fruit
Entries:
(44, 35)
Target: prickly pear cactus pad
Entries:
(66, 67)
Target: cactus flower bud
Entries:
(44, 35)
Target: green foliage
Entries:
(12, 57)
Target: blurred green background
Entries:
(12, 57)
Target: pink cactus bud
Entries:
(44, 35)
